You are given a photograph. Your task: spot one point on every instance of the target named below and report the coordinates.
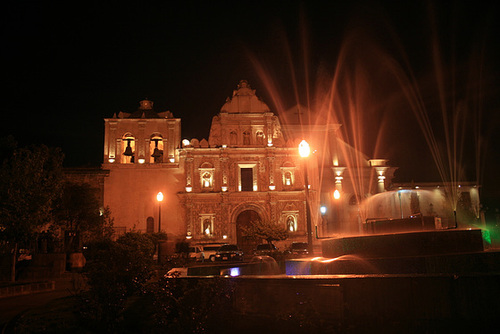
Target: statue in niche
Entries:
(207, 227)
(246, 138)
(207, 180)
(288, 178)
(233, 138)
(260, 138)
(290, 224)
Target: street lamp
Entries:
(400, 205)
(304, 151)
(159, 198)
(336, 196)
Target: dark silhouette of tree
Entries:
(30, 182)
(78, 210)
(267, 230)
(116, 270)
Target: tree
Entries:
(266, 230)
(78, 210)
(115, 272)
(30, 181)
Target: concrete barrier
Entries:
(369, 303)
(26, 288)
(405, 244)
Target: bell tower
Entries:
(142, 137)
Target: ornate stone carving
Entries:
(215, 132)
(244, 100)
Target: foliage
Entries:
(78, 209)
(116, 271)
(465, 209)
(303, 316)
(156, 237)
(192, 305)
(266, 230)
(30, 181)
(56, 316)
(104, 229)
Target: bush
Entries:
(192, 305)
(116, 271)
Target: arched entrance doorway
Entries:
(243, 220)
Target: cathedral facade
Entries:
(249, 169)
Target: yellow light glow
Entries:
(159, 196)
(304, 149)
(141, 161)
(111, 160)
(272, 187)
(336, 194)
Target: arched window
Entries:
(150, 225)
(206, 228)
(128, 149)
(288, 174)
(156, 149)
(206, 176)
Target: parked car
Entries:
(195, 252)
(192, 253)
(208, 252)
(229, 253)
(176, 272)
(298, 249)
(267, 249)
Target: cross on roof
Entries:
(298, 113)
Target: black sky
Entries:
(68, 65)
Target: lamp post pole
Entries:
(400, 205)
(336, 197)
(304, 151)
(159, 198)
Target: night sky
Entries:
(68, 65)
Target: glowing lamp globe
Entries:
(336, 194)
(304, 149)
(159, 196)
